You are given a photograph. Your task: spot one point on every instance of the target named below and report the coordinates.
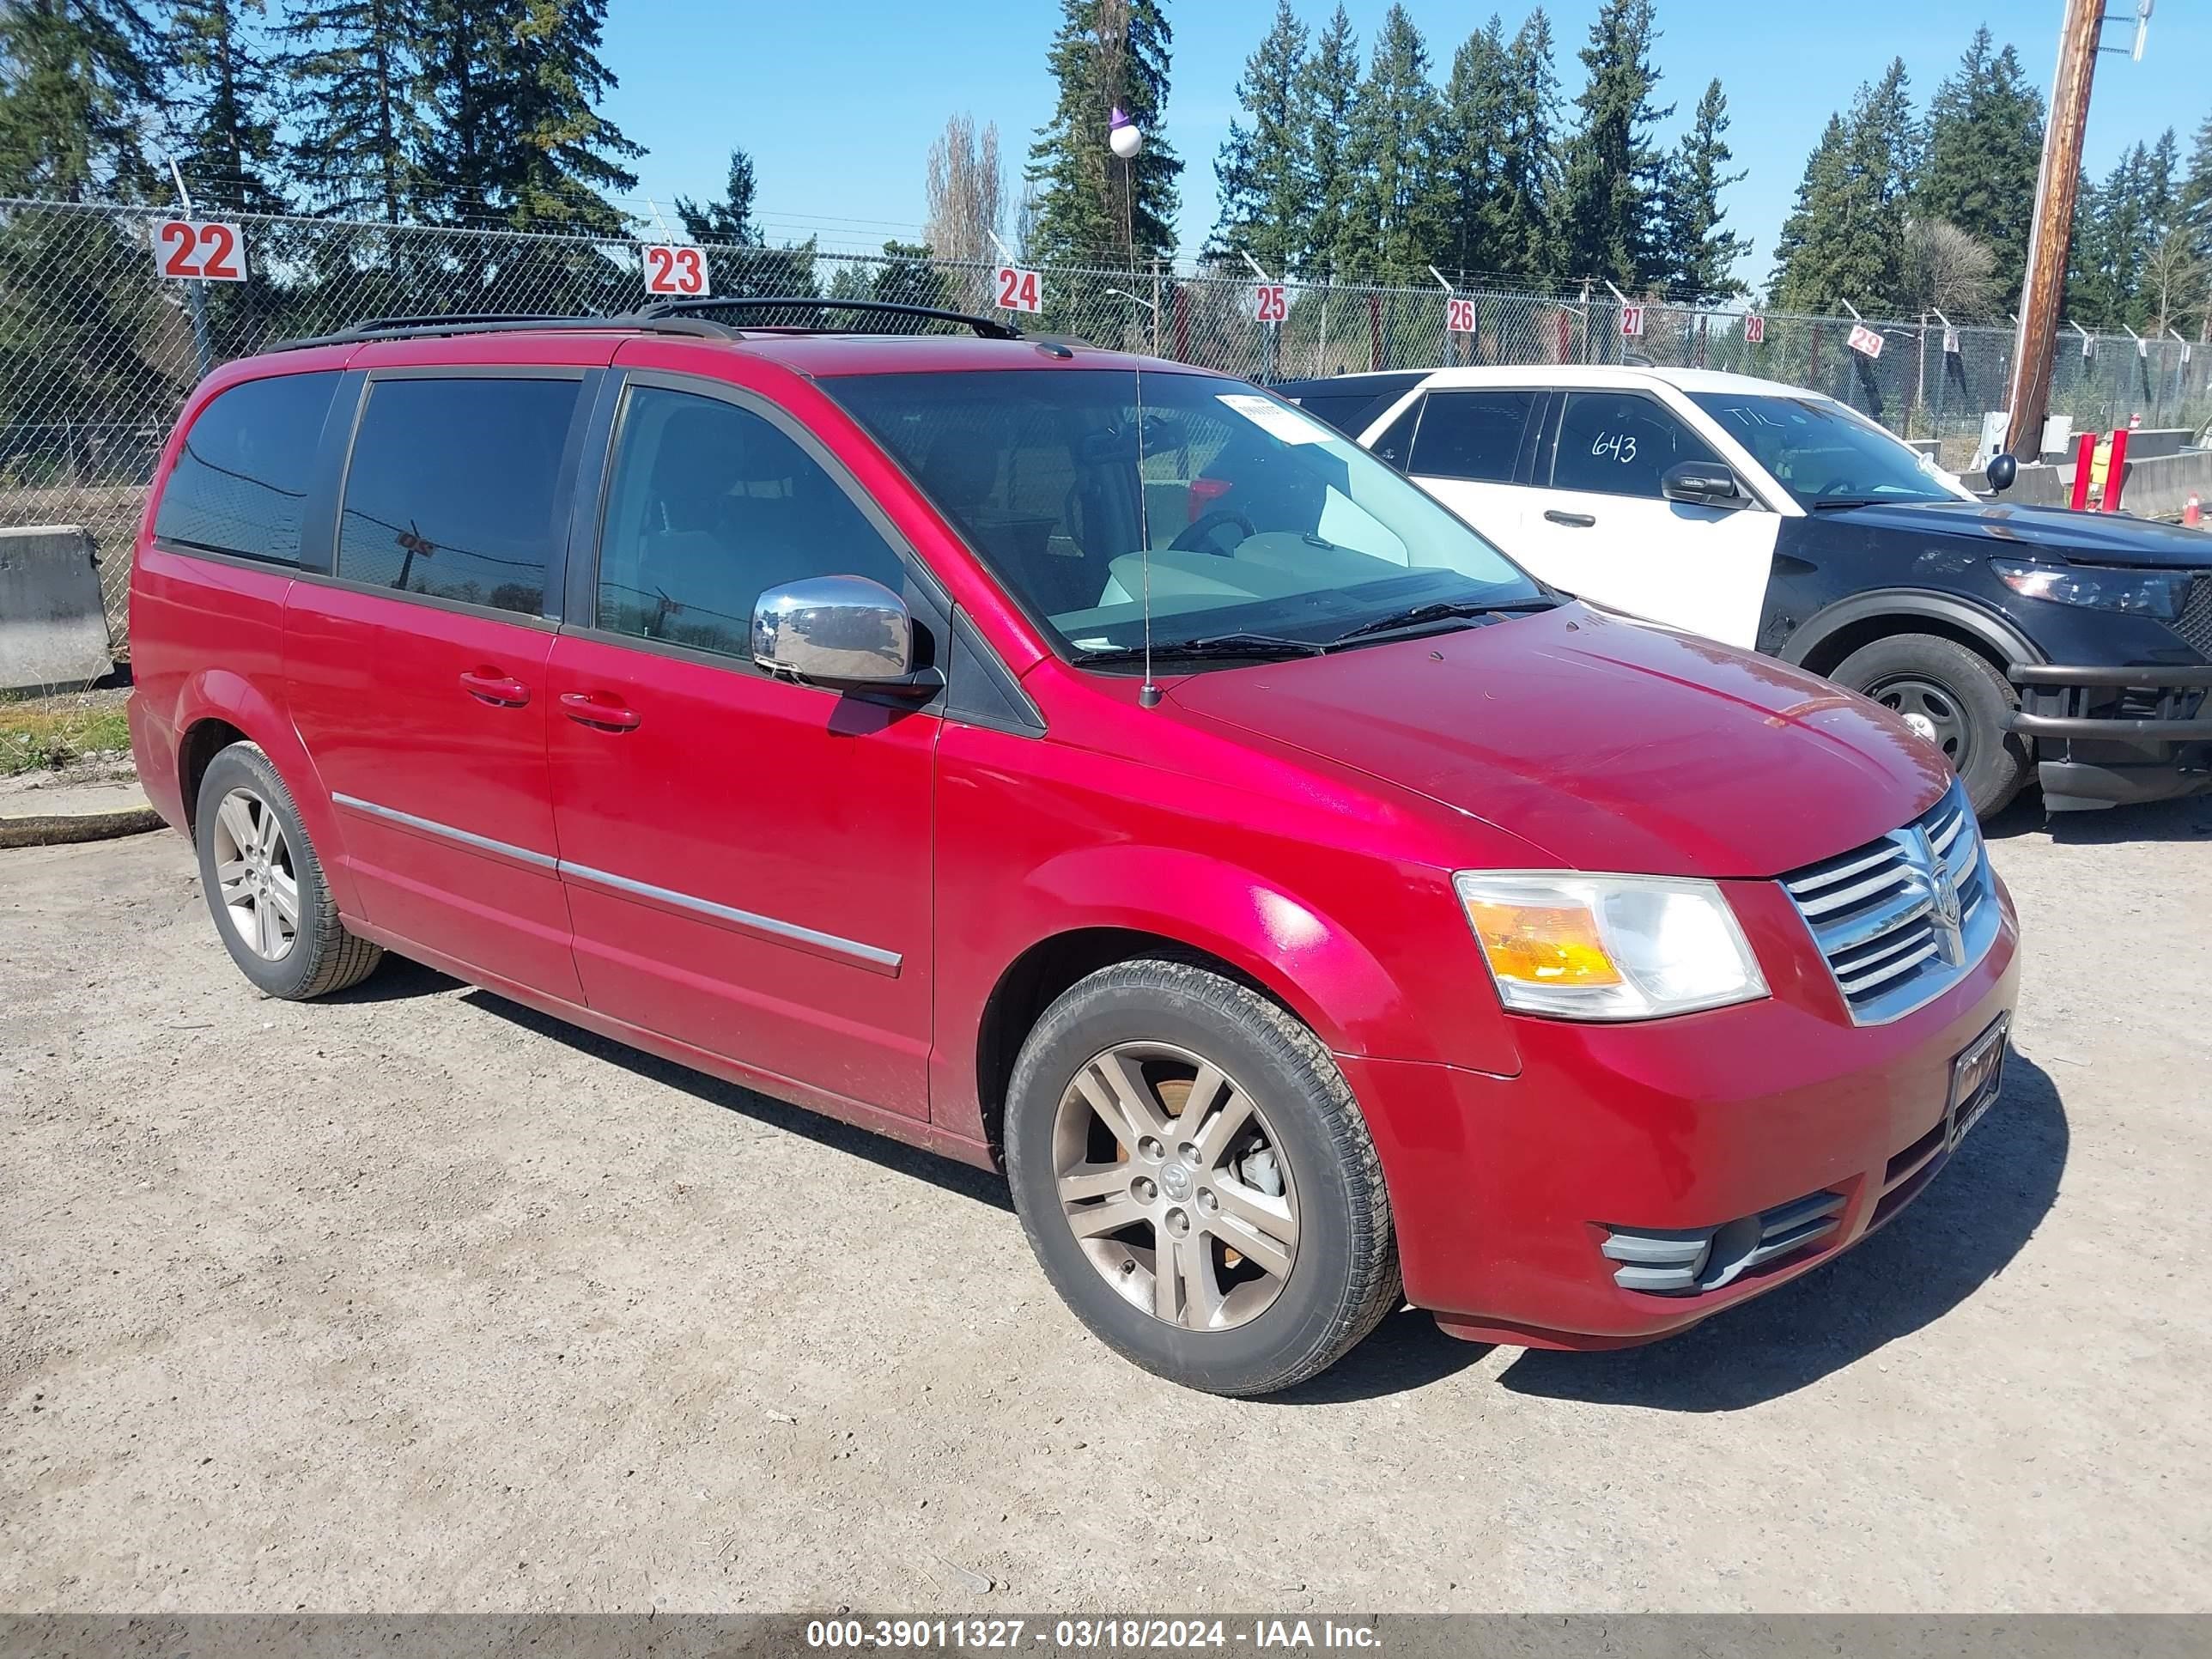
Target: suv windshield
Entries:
(1257, 521)
(1823, 454)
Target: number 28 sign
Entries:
(205, 251)
(676, 270)
(1017, 290)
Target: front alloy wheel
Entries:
(1170, 1180)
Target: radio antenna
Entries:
(1148, 695)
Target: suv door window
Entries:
(711, 505)
(1473, 434)
(240, 482)
(1620, 443)
(453, 490)
(1395, 444)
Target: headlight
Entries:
(2139, 593)
(1608, 947)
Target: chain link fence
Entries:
(98, 351)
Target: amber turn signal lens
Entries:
(1542, 945)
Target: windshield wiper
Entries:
(1213, 645)
(1830, 503)
(1439, 610)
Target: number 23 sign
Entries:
(206, 251)
(677, 270)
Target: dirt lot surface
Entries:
(415, 1301)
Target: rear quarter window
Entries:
(239, 485)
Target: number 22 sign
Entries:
(1019, 289)
(678, 271)
(206, 251)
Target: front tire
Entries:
(1954, 697)
(1196, 1180)
(264, 885)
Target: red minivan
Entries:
(1080, 764)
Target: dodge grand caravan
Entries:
(1081, 764)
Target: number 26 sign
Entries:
(674, 270)
(206, 251)
(1459, 316)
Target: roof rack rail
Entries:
(988, 328)
(407, 328)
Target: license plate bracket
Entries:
(1977, 1077)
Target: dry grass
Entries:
(44, 734)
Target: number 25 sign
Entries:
(678, 271)
(1271, 303)
(1019, 289)
(201, 250)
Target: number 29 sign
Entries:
(678, 271)
(199, 250)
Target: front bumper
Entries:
(2106, 737)
(1506, 1191)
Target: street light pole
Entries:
(2057, 185)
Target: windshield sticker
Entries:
(1276, 420)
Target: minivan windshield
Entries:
(1257, 529)
(1824, 455)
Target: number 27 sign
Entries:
(205, 251)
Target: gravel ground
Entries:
(416, 1301)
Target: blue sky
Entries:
(838, 101)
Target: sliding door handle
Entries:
(1574, 520)
(601, 710)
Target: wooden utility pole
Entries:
(2057, 185)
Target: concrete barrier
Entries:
(2156, 488)
(53, 632)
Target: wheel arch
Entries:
(1824, 640)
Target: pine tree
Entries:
(1394, 203)
(79, 80)
(222, 104)
(353, 67)
(1475, 103)
(2119, 227)
(1611, 171)
(1982, 149)
(751, 268)
(1701, 256)
(1330, 95)
(2192, 203)
(1844, 238)
(1265, 172)
(730, 220)
(1107, 54)
(1525, 243)
(513, 86)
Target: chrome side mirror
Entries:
(1702, 484)
(836, 631)
(2000, 473)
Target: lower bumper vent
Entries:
(1693, 1261)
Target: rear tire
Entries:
(1957, 699)
(1253, 1245)
(264, 885)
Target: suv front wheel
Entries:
(1956, 698)
(1196, 1180)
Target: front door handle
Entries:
(1577, 520)
(501, 690)
(599, 709)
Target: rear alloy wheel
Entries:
(1956, 699)
(265, 883)
(1196, 1179)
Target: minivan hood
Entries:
(1612, 744)
(2045, 532)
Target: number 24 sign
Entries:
(1019, 289)
(206, 251)
(674, 269)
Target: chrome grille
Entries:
(1901, 919)
(2195, 623)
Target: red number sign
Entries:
(1271, 303)
(1019, 289)
(1865, 341)
(1755, 329)
(1632, 322)
(1459, 316)
(205, 251)
(678, 271)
